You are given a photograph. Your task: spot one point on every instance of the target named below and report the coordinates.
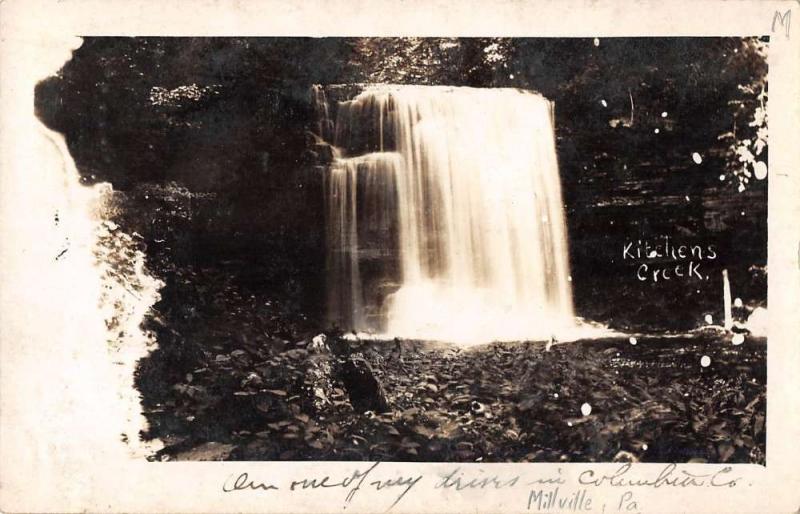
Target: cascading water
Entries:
(444, 215)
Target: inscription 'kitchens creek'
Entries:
(665, 259)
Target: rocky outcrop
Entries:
(365, 390)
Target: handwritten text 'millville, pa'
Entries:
(540, 493)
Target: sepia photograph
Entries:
(427, 249)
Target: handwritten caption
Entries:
(585, 492)
(665, 259)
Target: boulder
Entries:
(211, 451)
(319, 344)
(365, 390)
(325, 153)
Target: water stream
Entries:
(445, 218)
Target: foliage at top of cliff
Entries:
(204, 111)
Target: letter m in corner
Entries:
(785, 19)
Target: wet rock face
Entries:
(365, 390)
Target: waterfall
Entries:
(444, 215)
